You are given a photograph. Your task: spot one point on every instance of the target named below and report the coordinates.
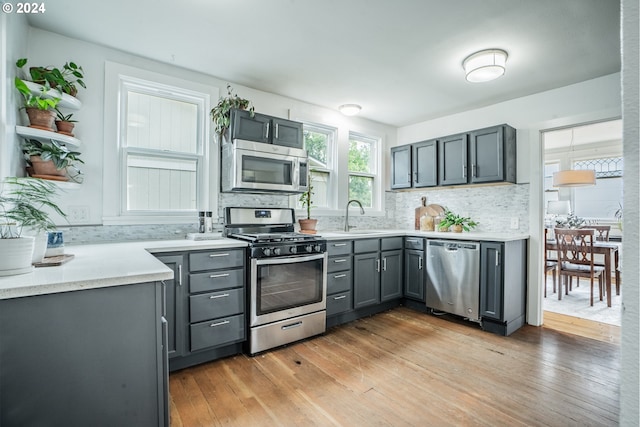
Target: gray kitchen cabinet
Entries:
(94, 357)
(176, 307)
(339, 277)
(372, 283)
(414, 278)
(414, 165)
(452, 159)
(503, 285)
(266, 129)
(493, 154)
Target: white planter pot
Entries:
(16, 255)
(39, 247)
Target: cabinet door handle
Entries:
(291, 326)
(412, 240)
(215, 276)
(179, 274)
(339, 260)
(335, 245)
(415, 176)
(224, 322)
(218, 296)
(464, 171)
(473, 170)
(384, 264)
(419, 263)
(276, 133)
(497, 259)
(217, 255)
(378, 265)
(339, 276)
(340, 297)
(266, 135)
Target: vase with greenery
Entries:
(572, 221)
(39, 107)
(456, 222)
(221, 113)
(308, 224)
(66, 79)
(64, 123)
(618, 216)
(24, 204)
(49, 158)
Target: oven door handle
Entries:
(289, 259)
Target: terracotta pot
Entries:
(307, 225)
(41, 119)
(65, 127)
(456, 228)
(45, 167)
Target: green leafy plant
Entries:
(40, 101)
(572, 221)
(61, 156)
(65, 79)
(451, 218)
(305, 199)
(61, 117)
(221, 113)
(22, 204)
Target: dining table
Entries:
(609, 250)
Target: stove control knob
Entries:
(266, 251)
(293, 249)
(317, 248)
(308, 248)
(276, 251)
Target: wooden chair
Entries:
(549, 265)
(602, 234)
(575, 258)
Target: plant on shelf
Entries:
(308, 224)
(64, 123)
(50, 158)
(66, 80)
(221, 113)
(456, 222)
(24, 203)
(39, 107)
(72, 75)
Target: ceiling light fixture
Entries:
(485, 65)
(350, 109)
(574, 177)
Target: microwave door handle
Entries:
(296, 173)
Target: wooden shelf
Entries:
(47, 136)
(66, 101)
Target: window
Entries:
(601, 201)
(319, 143)
(155, 134)
(363, 169)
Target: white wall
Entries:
(588, 101)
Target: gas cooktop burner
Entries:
(274, 237)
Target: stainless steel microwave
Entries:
(256, 167)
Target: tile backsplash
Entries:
(493, 207)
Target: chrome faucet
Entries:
(346, 217)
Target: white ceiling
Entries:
(401, 60)
(609, 133)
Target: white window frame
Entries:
(376, 195)
(118, 79)
(330, 167)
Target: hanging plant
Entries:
(221, 113)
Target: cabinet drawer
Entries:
(216, 280)
(338, 263)
(217, 332)
(339, 248)
(216, 304)
(390, 243)
(210, 260)
(339, 281)
(413, 243)
(339, 303)
(366, 245)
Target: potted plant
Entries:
(572, 221)
(456, 222)
(308, 224)
(64, 123)
(22, 205)
(49, 159)
(221, 113)
(65, 80)
(39, 107)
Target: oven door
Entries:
(256, 170)
(285, 287)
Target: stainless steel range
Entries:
(287, 276)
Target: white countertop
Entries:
(473, 235)
(104, 265)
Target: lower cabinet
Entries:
(414, 268)
(339, 277)
(503, 287)
(93, 357)
(377, 271)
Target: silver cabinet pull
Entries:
(339, 276)
(339, 260)
(384, 264)
(378, 265)
(291, 326)
(179, 274)
(464, 171)
(218, 296)
(224, 322)
(340, 297)
(473, 170)
(335, 245)
(215, 276)
(276, 134)
(412, 240)
(419, 263)
(217, 255)
(266, 135)
(497, 259)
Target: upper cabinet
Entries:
(479, 156)
(266, 129)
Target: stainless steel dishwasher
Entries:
(453, 277)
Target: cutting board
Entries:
(421, 210)
(54, 261)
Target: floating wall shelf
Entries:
(66, 101)
(47, 136)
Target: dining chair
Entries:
(549, 264)
(575, 258)
(602, 234)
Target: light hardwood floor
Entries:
(404, 368)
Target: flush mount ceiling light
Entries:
(349, 109)
(485, 65)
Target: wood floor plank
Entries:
(404, 368)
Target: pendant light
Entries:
(573, 177)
